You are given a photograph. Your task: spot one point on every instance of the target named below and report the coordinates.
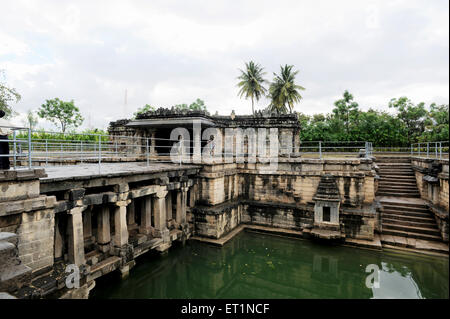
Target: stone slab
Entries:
(88, 171)
(373, 244)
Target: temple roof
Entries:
(164, 117)
(327, 189)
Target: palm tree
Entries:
(251, 82)
(283, 92)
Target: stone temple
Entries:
(102, 221)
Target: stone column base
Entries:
(145, 230)
(125, 269)
(133, 226)
(164, 234)
(80, 293)
(163, 247)
(104, 247)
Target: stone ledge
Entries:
(22, 175)
(315, 173)
(440, 212)
(27, 205)
(370, 244)
(143, 170)
(326, 234)
(215, 209)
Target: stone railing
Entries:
(432, 180)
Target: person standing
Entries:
(4, 145)
(180, 148)
(211, 145)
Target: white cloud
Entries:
(11, 45)
(170, 52)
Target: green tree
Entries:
(413, 116)
(144, 109)
(381, 128)
(198, 105)
(65, 114)
(31, 120)
(251, 83)
(412, 123)
(346, 113)
(437, 128)
(7, 95)
(181, 107)
(283, 91)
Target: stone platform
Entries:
(55, 173)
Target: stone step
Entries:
(397, 178)
(400, 171)
(397, 189)
(392, 160)
(416, 244)
(109, 262)
(429, 224)
(407, 213)
(9, 237)
(408, 218)
(395, 169)
(94, 257)
(411, 183)
(394, 164)
(397, 182)
(398, 194)
(403, 205)
(394, 192)
(412, 229)
(411, 235)
(7, 253)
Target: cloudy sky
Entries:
(170, 52)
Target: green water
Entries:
(264, 266)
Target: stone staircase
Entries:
(411, 220)
(406, 219)
(13, 274)
(396, 178)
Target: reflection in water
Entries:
(264, 266)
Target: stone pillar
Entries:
(131, 214)
(146, 215)
(120, 224)
(197, 130)
(159, 209)
(59, 240)
(153, 143)
(191, 197)
(87, 223)
(103, 229)
(179, 209)
(181, 205)
(196, 192)
(169, 206)
(75, 234)
(296, 141)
